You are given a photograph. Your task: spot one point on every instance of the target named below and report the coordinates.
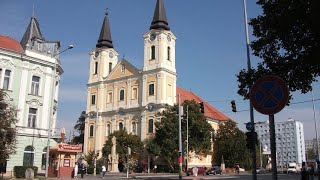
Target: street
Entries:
(175, 176)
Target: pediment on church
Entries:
(122, 69)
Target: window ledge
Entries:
(34, 95)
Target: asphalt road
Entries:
(169, 177)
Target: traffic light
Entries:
(201, 107)
(233, 106)
(251, 136)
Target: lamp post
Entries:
(95, 144)
(316, 129)
(51, 108)
(187, 136)
(254, 157)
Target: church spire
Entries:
(33, 32)
(159, 18)
(105, 34)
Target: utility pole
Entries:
(187, 137)
(254, 140)
(180, 141)
(316, 129)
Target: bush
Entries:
(19, 171)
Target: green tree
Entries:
(311, 153)
(123, 141)
(165, 142)
(79, 127)
(7, 128)
(230, 143)
(287, 40)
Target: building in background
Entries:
(289, 141)
(26, 77)
(121, 96)
(312, 144)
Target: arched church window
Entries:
(121, 95)
(108, 130)
(134, 128)
(150, 126)
(96, 68)
(168, 51)
(120, 126)
(110, 67)
(153, 52)
(28, 156)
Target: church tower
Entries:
(159, 59)
(104, 58)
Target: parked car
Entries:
(214, 171)
(260, 170)
(201, 171)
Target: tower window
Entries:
(110, 67)
(150, 126)
(153, 52)
(168, 51)
(121, 95)
(151, 89)
(93, 99)
(91, 130)
(96, 68)
(134, 128)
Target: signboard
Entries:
(70, 147)
(269, 95)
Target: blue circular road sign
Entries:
(249, 126)
(269, 95)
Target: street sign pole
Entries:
(273, 147)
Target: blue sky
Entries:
(210, 48)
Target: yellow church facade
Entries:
(121, 96)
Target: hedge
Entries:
(19, 171)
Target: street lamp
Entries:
(52, 104)
(187, 136)
(316, 129)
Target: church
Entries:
(121, 96)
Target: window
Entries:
(169, 89)
(120, 126)
(91, 131)
(6, 80)
(32, 117)
(151, 89)
(134, 93)
(109, 100)
(168, 51)
(134, 128)
(28, 156)
(43, 159)
(153, 52)
(93, 99)
(35, 85)
(96, 68)
(108, 130)
(121, 95)
(110, 67)
(123, 68)
(150, 126)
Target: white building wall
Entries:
(289, 140)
